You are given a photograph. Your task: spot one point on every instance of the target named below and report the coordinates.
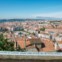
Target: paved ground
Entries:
(13, 60)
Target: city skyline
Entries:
(30, 8)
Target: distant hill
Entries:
(31, 19)
(48, 18)
(12, 20)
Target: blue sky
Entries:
(30, 8)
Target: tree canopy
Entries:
(42, 29)
(5, 45)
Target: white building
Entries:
(44, 36)
(58, 38)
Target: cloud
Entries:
(54, 14)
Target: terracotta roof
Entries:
(49, 46)
(60, 42)
(21, 43)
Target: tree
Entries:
(5, 45)
(42, 29)
(33, 33)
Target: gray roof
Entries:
(35, 41)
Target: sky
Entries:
(30, 8)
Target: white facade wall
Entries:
(44, 36)
(58, 38)
(31, 31)
(60, 45)
(55, 46)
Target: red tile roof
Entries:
(20, 42)
(49, 46)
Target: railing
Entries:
(31, 53)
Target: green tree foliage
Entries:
(42, 29)
(5, 45)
